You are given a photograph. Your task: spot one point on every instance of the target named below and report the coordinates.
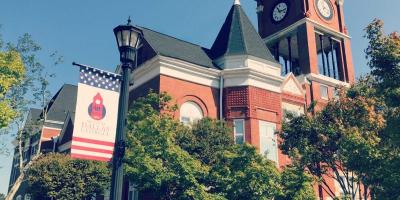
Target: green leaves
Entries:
(205, 139)
(173, 161)
(60, 177)
(241, 173)
(383, 162)
(154, 160)
(12, 71)
(383, 54)
(297, 184)
(339, 140)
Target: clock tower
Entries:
(310, 40)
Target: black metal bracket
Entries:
(120, 151)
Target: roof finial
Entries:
(129, 20)
(236, 2)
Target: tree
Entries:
(355, 139)
(206, 139)
(31, 91)
(58, 176)
(242, 173)
(297, 184)
(200, 161)
(154, 161)
(12, 72)
(330, 143)
(383, 54)
(236, 171)
(2, 196)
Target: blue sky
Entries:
(81, 31)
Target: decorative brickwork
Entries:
(236, 102)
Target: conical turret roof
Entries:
(239, 37)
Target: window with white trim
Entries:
(190, 112)
(324, 92)
(238, 130)
(268, 140)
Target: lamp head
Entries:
(128, 39)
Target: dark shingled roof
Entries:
(64, 101)
(32, 120)
(34, 115)
(67, 130)
(175, 48)
(239, 37)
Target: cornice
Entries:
(260, 75)
(295, 25)
(326, 80)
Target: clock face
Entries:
(280, 11)
(325, 9)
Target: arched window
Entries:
(190, 112)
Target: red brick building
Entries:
(300, 54)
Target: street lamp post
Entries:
(128, 39)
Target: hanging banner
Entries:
(96, 115)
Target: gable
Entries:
(292, 86)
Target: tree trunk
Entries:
(20, 140)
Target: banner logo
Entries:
(96, 109)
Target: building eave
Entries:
(295, 25)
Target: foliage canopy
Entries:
(59, 176)
(174, 161)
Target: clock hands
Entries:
(282, 9)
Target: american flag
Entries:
(99, 78)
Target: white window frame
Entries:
(234, 130)
(275, 139)
(189, 120)
(327, 91)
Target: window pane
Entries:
(239, 139)
(125, 37)
(239, 126)
(190, 112)
(324, 91)
(185, 120)
(268, 145)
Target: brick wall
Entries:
(181, 91)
